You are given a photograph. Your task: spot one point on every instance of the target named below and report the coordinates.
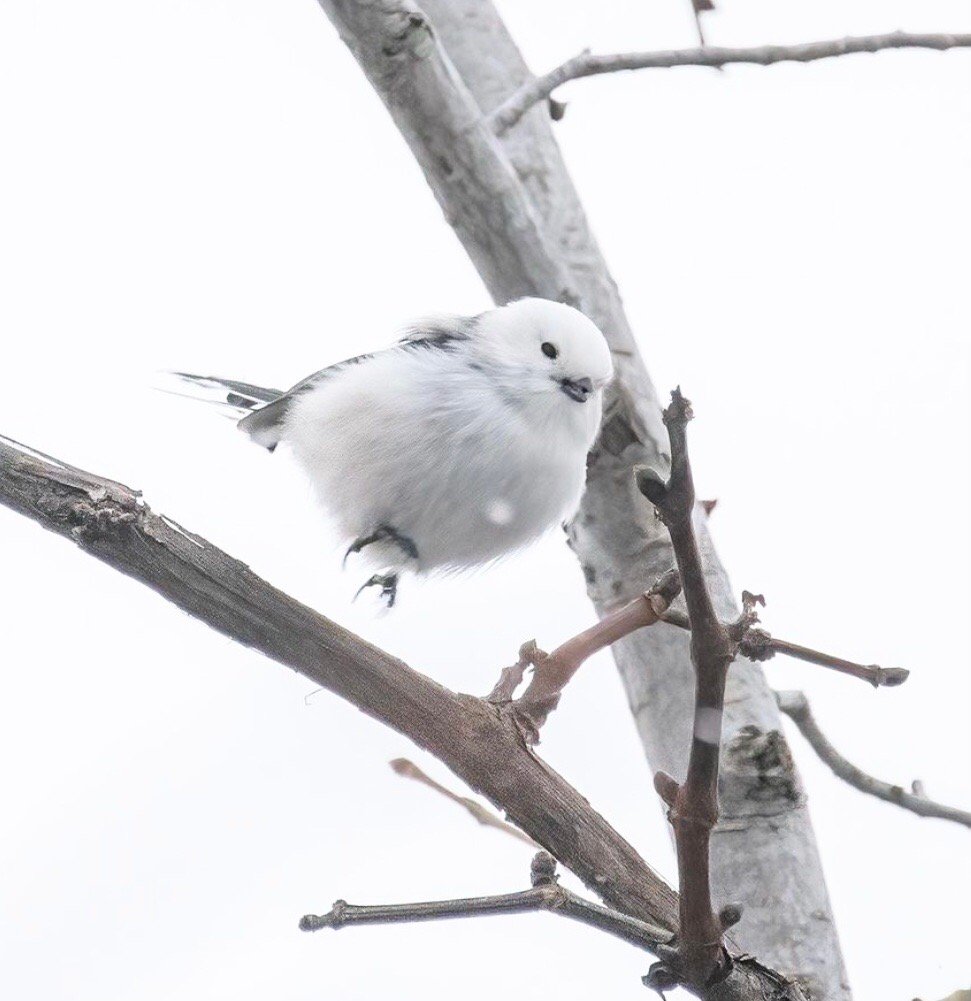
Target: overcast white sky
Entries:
(212, 186)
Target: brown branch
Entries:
(757, 644)
(796, 706)
(553, 671)
(481, 743)
(546, 895)
(409, 770)
(539, 88)
(693, 806)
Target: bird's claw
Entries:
(383, 532)
(388, 582)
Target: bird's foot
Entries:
(388, 582)
(384, 533)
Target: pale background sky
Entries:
(212, 186)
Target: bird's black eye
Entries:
(549, 349)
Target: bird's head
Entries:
(546, 347)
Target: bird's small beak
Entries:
(577, 389)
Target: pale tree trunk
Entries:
(514, 207)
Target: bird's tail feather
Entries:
(241, 396)
(252, 405)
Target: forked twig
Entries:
(586, 64)
(545, 895)
(700, 955)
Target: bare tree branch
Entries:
(481, 743)
(761, 645)
(553, 671)
(796, 706)
(111, 522)
(409, 770)
(546, 895)
(693, 805)
(586, 64)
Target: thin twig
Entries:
(758, 644)
(553, 671)
(693, 805)
(409, 770)
(887, 677)
(796, 706)
(546, 895)
(586, 64)
(697, 6)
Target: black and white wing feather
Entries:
(264, 410)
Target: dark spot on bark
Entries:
(617, 434)
(589, 574)
(758, 770)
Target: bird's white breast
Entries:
(420, 440)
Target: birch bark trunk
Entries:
(512, 203)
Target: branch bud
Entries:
(889, 677)
(651, 484)
(664, 590)
(557, 109)
(334, 918)
(542, 870)
(660, 978)
(730, 915)
(666, 787)
(756, 644)
(678, 411)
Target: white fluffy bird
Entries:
(461, 443)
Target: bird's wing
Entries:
(264, 423)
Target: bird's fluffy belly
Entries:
(463, 479)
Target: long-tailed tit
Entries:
(463, 442)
